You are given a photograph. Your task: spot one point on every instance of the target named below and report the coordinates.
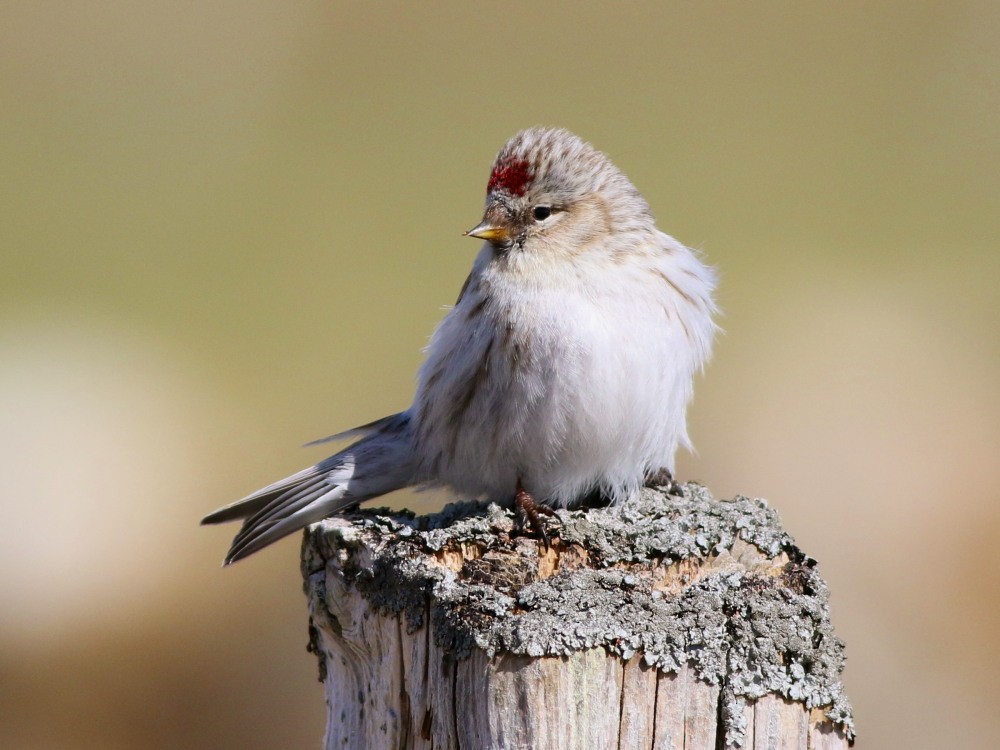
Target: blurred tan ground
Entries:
(229, 227)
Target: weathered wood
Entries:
(638, 713)
(666, 623)
(780, 724)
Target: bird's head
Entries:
(550, 190)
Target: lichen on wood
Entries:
(663, 582)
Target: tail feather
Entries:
(376, 464)
(283, 506)
(314, 507)
(284, 497)
(253, 502)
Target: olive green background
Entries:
(228, 227)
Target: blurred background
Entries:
(227, 228)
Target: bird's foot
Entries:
(663, 478)
(528, 511)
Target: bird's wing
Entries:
(365, 429)
(377, 464)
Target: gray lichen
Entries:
(714, 583)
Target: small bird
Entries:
(564, 369)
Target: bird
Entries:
(564, 369)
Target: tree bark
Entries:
(665, 622)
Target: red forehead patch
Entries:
(512, 175)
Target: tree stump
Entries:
(665, 622)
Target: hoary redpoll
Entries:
(564, 369)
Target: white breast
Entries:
(570, 382)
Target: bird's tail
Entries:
(376, 464)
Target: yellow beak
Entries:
(496, 226)
(487, 230)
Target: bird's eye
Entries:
(541, 213)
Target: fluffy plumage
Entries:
(567, 362)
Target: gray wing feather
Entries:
(253, 502)
(376, 464)
(365, 429)
(297, 514)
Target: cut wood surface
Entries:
(666, 622)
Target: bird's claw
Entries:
(529, 511)
(663, 478)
